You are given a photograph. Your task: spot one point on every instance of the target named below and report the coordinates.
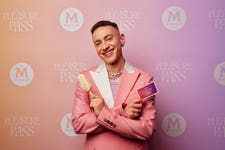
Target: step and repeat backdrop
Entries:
(45, 44)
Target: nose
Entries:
(105, 45)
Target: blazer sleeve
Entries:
(141, 128)
(83, 118)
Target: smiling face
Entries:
(108, 43)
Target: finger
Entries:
(90, 92)
(139, 105)
(137, 101)
(139, 110)
(136, 110)
(91, 95)
(94, 102)
(91, 105)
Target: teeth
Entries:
(108, 53)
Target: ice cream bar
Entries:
(84, 83)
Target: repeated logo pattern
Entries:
(66, 125)
(20, 20)
(174, 124)
(174, 18)
(70, 19)
(217, 125)
(21, 74)
(219, 73)
(217, 17)
(126, 19)
(173, 72)
(23, 126)
(67, 71)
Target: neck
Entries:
(116, 68)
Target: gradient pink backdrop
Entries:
(193, 93)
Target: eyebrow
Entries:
(105, 37)
(109, 35)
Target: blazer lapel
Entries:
(100, 77)
(128, 79)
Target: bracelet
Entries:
(124, 105)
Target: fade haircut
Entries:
(103, 23)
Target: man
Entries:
(112, 114)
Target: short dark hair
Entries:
(104, 23)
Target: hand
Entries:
(133, 108)
(97, 103)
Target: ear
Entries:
(122, 39)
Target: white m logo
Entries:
(174, 18)
(219, 73)
(222, 73)
(21, 74)
(173, 124)
(71, 19)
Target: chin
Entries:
(110, 61)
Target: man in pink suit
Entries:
(112, 114)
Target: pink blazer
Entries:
(112, 130)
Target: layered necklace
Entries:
(114, 76)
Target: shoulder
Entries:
(143, 73)
(86, 72)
